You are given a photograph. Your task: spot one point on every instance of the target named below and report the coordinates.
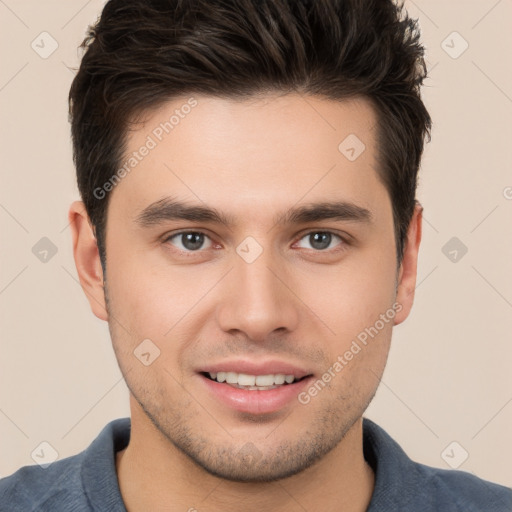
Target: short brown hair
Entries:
(142, 53)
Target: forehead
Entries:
(251, 153)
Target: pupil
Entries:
(192, 240)
(320, 240)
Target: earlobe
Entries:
(408, 269)
(87, 259)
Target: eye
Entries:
(189, 241)
(321, 240)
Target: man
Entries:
(250, 233)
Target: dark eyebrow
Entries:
(314, 212)
(170, 209)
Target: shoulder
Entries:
(34, 488)
(403, 484)
(463, 491)
(86, 481)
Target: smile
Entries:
(252, 382)
(254, 394)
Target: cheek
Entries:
(155, 299)
(142, 298)
(352, 296)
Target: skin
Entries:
(250, 159)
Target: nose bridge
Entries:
(257, 281)
(259, 302)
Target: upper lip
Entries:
(270, 367)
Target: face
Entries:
(252, 243)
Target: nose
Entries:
(258, 299)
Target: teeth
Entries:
(231, 378)
(247, 380)
(252, 382)
(264, 380)
(279, 379)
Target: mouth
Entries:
(257, 392)
(253, 382)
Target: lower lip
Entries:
(255, 402)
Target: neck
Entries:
(153, 474)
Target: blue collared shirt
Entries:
(88, 481)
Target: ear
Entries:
(87, 259)
(408, 267)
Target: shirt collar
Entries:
(396, 477)
(100, 459)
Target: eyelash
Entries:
(344, 241)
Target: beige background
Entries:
(448, 377)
